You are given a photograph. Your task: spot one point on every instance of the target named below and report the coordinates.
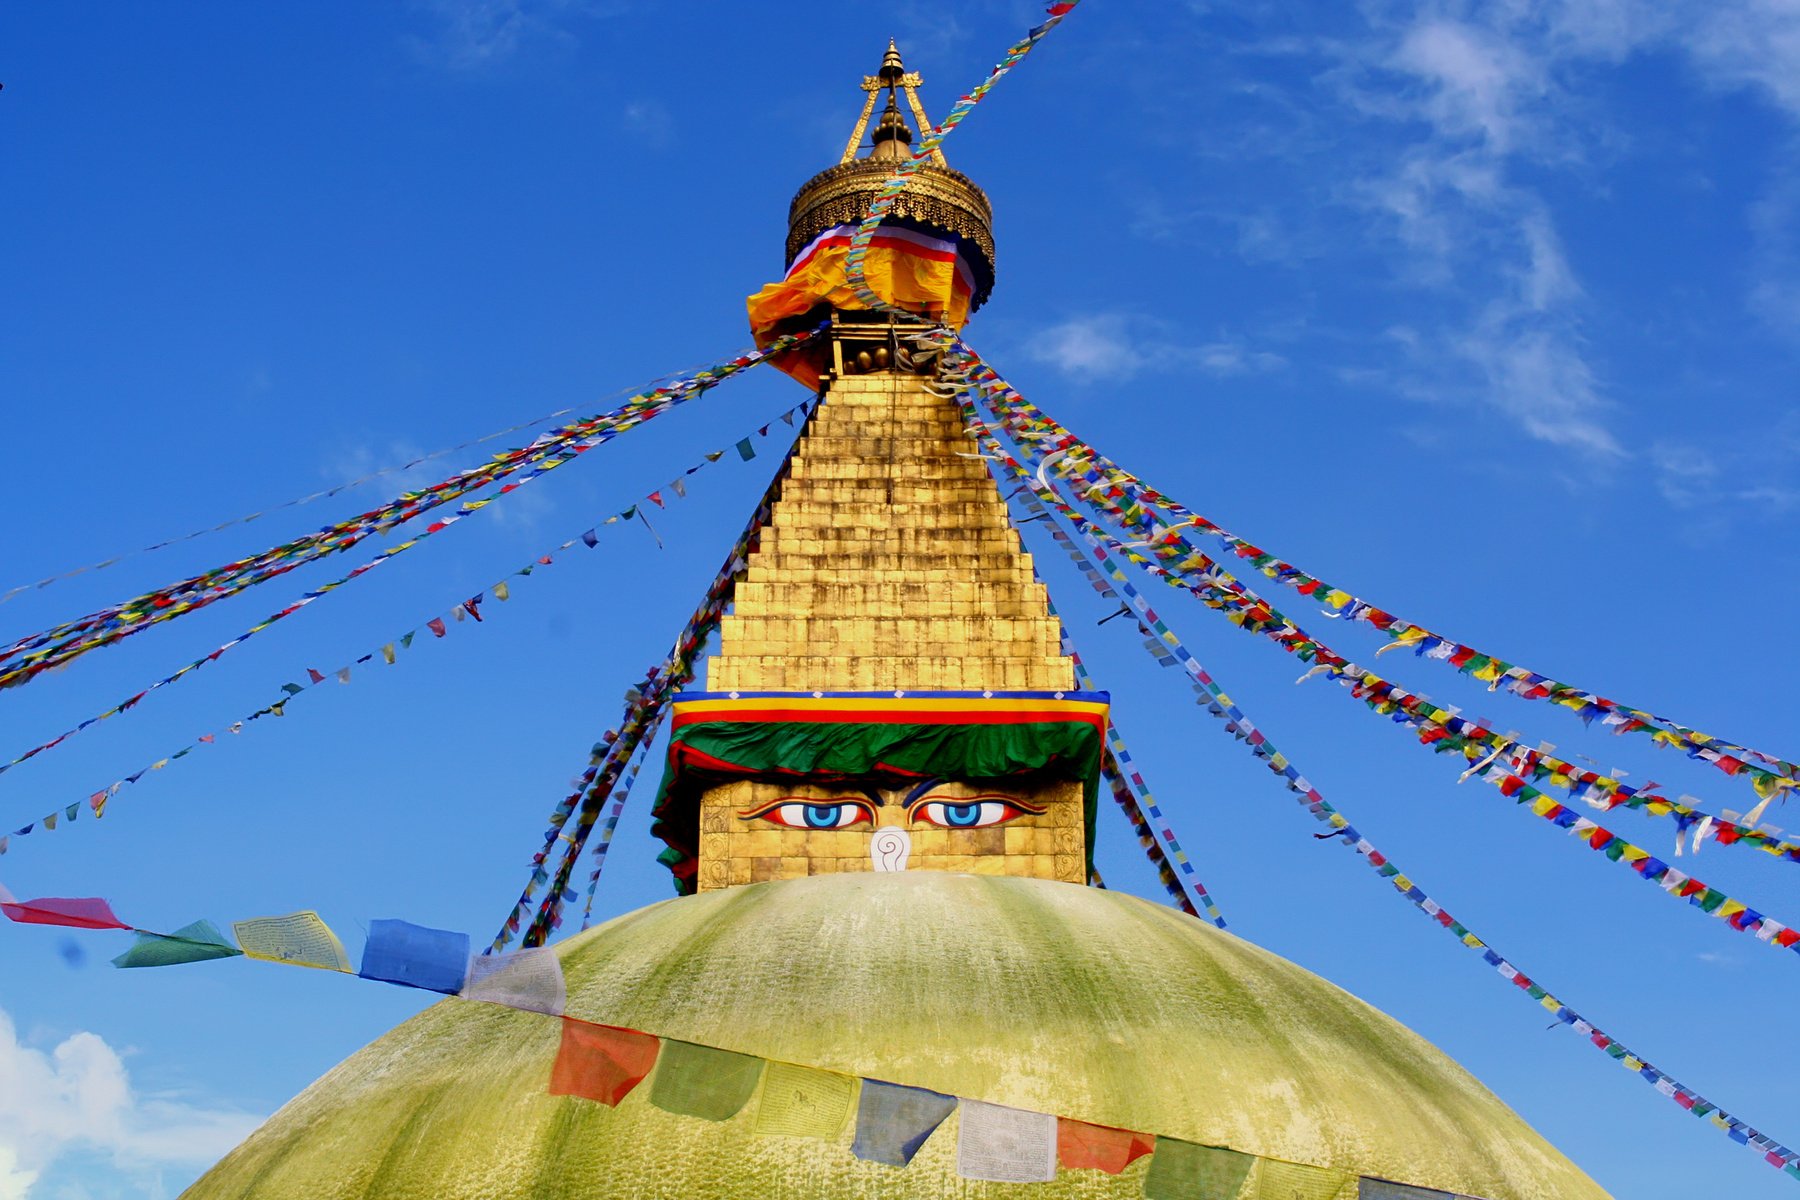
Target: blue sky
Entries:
(1488, 312)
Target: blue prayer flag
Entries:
(892, 1121)
(414, 956)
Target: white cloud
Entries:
(78, 1098)
(649, 120)
(15, 1182)
(473, 35)
(1118, 346)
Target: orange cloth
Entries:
(600, 1062)
(907, 269)
(1099, 1147)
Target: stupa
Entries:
(880, 816)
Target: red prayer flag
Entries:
(1099, 1147)
(600, 1062)
(436, 625)
(86, 913)
(314, 675)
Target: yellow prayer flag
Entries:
(501, 591)
(803, 1102)
(299, 939)
(1338, 599)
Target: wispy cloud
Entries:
(473, 35)
(650, 121)
(77, 1097)
(1119, 346)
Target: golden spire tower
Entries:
(889, 579)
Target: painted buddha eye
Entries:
(974, 813)
(839, 814)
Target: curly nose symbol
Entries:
(889, 847)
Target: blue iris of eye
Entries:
(822, 816)
(962, 814)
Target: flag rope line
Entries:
(1100, 568)
(500, 590)
(645, 707)
(1133, 797)
(298, 501)
(398, 953)
(1105, 478)
(1442, 731)
(63, 643)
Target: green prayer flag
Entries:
(745, 450)
(197, 942)
(1185, 1171)
(699, 1081)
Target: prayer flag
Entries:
(803, 1102)
(84, 913)
(590, 539)
(700, 1081)
(200, 941)
(300, 939)
(1080, 1146)
(436, 625)
(502, 592)
(436, 960)
(314, 676)
(1005, 1145)
(893, 1121)
(531, 980)
(1276, 1180)
(1183, 1171)
(387, 654)
(600, 1062)
(745, 450)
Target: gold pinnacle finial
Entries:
(888, 142)
(935, 197)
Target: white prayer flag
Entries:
(1005, 1145)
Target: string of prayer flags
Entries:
(1112, 582)
(531, 980)
(197, 941)
(436, 960)
(703, 1081)
(1449, 732)
(500, 591)
(300, 939)
(601, 1062)
(604, 1064)
(1005, 1145)
(1121, 775)
(1117, 491)
(645, 707)
(893, 1121)
(804, 1102)
(68, 640)
(323, 494)
(1084, 1147)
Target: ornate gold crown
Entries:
(935, 195)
